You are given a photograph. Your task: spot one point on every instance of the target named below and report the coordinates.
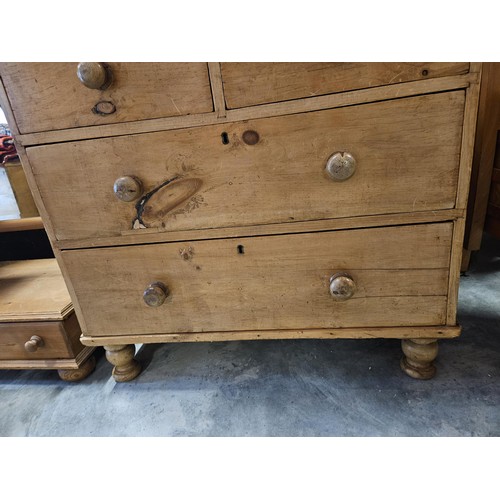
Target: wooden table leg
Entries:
(122, 357)
(76, 374)
(418, 358)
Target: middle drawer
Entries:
(398, 276)
(403, 156)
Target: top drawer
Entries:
(248, 84)
(50, 96)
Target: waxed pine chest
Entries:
(243, 201)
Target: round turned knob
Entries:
(94, 75)
(342, 286)
(155, 294)
(127, 188)
(340, 166)
(34, 343)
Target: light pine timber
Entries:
(125, 367)
(264, 111)
(466, 155)
(279, 282)
(156, 235)
(217, 90)
(33, 290)
(485, 146)
(443, 332)
(249, 84)
(49, 96)
(22, 193)
(49, 364)
(26, 224)
(418, 358)
(407, 152)
(13, 336)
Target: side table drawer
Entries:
(398, 276)
(55, 342)
(387, 157)
(50, 96)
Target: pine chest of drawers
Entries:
(238, 201)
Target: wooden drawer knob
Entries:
(342, 286)
(128, 188)
(94, 75)
(155, 294)
(34, 343)
(340, 166)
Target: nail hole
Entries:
(425, 72)
(241, 249)
(225, 138)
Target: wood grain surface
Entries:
(49, 96)
(407, 152)
(275, 282)
(248, 84)
(33, 290)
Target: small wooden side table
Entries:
(38, 326)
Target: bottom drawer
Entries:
(398, 276)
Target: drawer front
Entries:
(56, 345)
(50, 96)
(400, 275)
(248, 84)
(406, 155)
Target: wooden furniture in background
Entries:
(483, 210)
(38, 327)
(22, 192)
(252, 200)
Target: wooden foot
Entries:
(74, 375)
(418, 358)
(122, 357)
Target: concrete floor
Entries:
(281, 388)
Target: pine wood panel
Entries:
(407, 152)
(249, 84)
(402, 332)
(33, 290)
(375, 94)
(278, 282)
(155, 235)
(49, 96)
(13, 336)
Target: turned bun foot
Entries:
(75, 375)
(122, 357)
(418, 358)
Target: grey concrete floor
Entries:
(281, 388)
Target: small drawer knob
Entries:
(127, 188)
(155, 294)
(340, 166)
(342, 286)
(34, 343)
(94, 75)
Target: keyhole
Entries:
(225, 138)
(241, 249)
